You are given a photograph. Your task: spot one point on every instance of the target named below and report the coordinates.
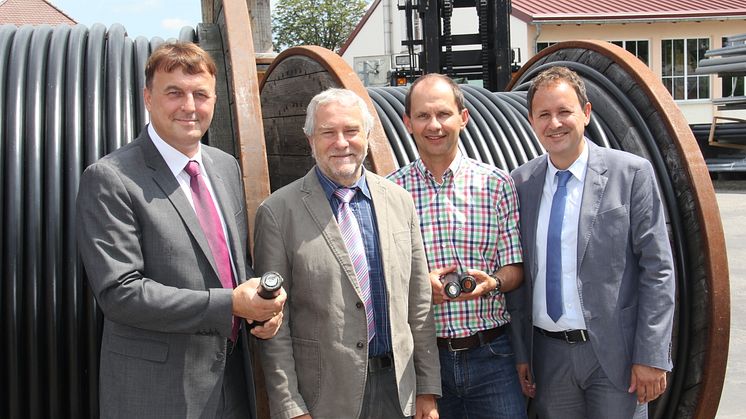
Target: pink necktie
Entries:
(209, 220)
(354, 242)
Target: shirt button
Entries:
(360, 344)
(359, 304)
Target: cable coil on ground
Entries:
(68, 96)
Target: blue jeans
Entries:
(481, 383)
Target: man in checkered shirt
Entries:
(469, 220)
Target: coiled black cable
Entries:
(68, 96)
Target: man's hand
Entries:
(485, 284)
(437, 285)
(248, 304)
(648, 382)
(269, 328)
(527, 382)
(425, 407)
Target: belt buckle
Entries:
(452, 349)
(583, 337)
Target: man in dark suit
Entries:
(162, 233)
(597, 304)
(358, 340)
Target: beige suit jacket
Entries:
(317, 363)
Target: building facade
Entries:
(670, 37)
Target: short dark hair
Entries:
(458, 95)
(555, 75)
(184, 55)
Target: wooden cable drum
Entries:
(296, 75)
(632, 111)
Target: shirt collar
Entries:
(578, 168)
(330, 186)
(175, 159)
(452, 168)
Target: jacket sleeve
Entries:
(277, 357)
(421, 316)
(656, 285)
(110, 241)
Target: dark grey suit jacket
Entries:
(166, 316)
(625, 268)
(318, 360)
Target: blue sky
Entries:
(148, 18)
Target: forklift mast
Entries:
(486, 55)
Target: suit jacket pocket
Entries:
(614, 221)
(308, 369)
(403, 249)
(146, 349)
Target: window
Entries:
(680, 59)
(543, 45)
(639, 49)
(732, 85)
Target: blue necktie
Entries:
(554, 247)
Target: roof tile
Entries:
(551, 10)
(32, 12)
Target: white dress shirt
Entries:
(177, 161)
(572, 311)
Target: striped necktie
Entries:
(354, 241)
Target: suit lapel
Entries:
(593, 192)
(165, 179)
(226, 208)
(534, 187)
(383, 212)
(314, 199)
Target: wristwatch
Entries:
(497, 288)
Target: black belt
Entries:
(381, 362)
(569, 336)
(470, 342)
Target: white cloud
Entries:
(175, 23)
(141, 6)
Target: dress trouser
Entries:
(381, 398)
(234, 401)
(570, 384)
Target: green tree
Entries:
(327, 23)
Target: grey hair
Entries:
(342, 97)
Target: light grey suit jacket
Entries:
(166, 316)
(318, 360)
(625, 268)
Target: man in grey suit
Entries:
(358, 340)
(596, 308)
(171, 346)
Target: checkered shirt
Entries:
(470, 220)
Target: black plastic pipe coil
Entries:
(498, 133)
(68, 96)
